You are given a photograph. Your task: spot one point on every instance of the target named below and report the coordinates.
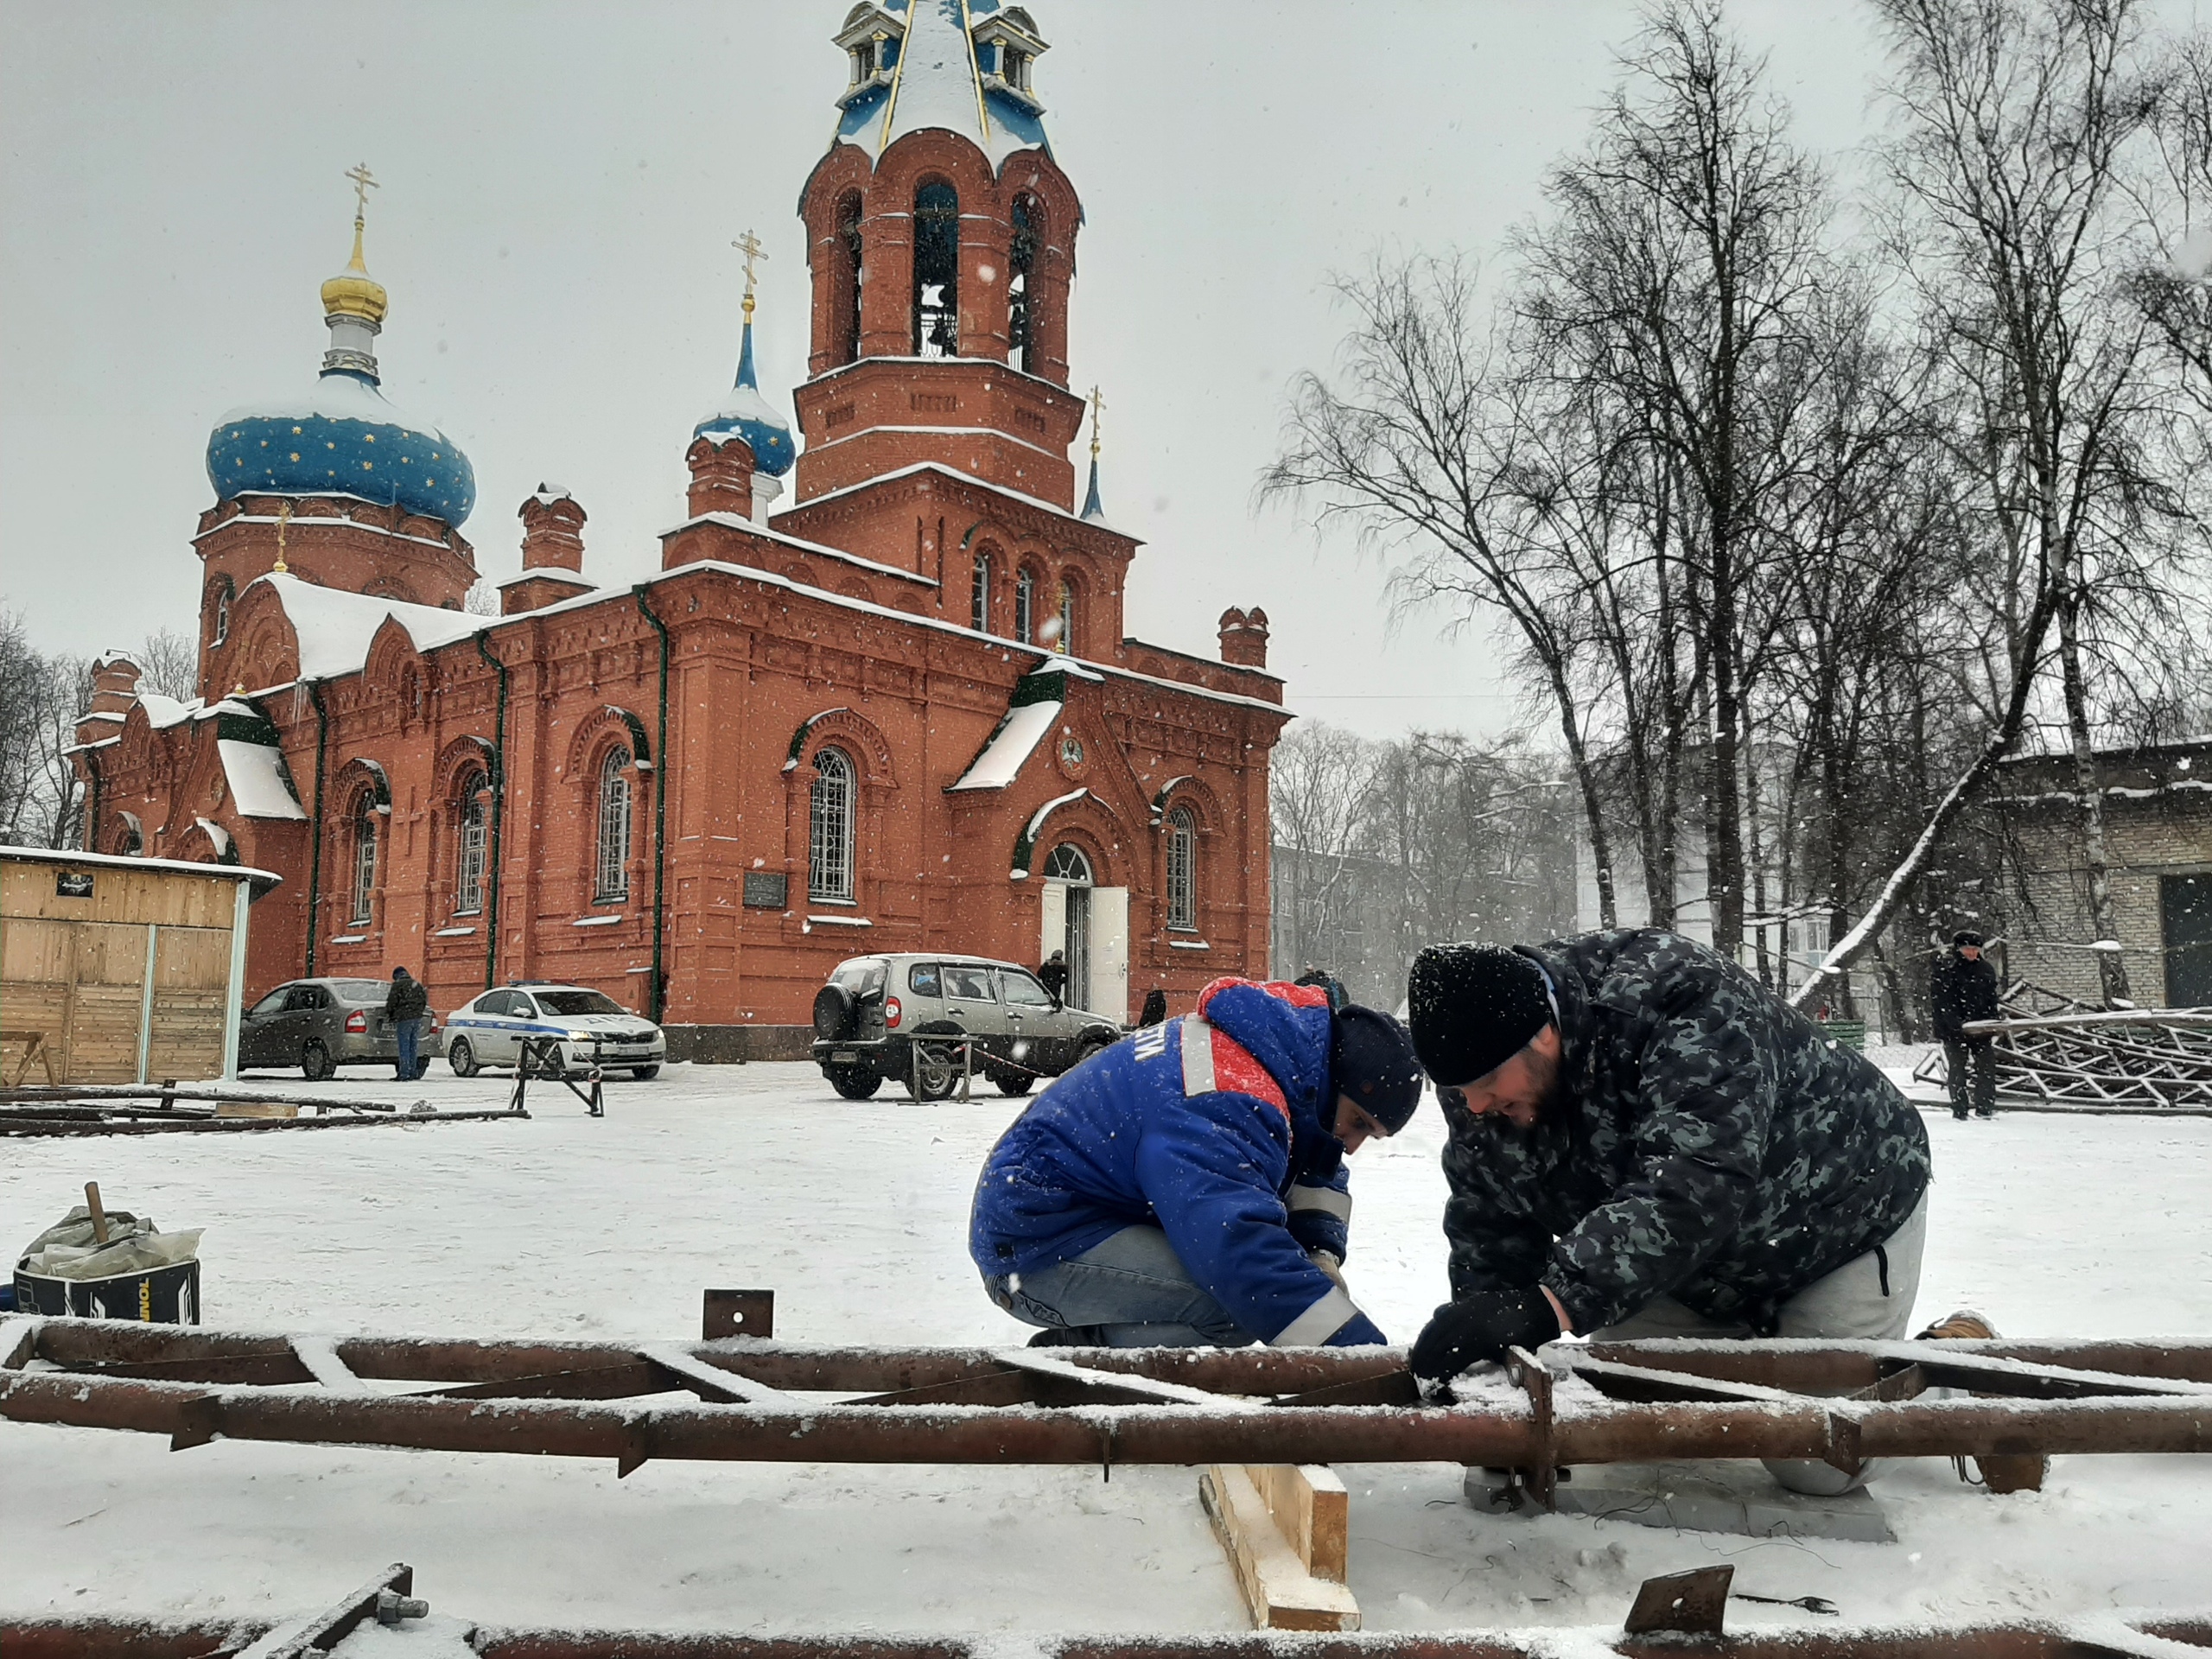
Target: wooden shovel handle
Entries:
(99, 1212)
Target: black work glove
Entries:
(1480, 1326)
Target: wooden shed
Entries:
(118, 969)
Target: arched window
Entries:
(1024, 608)
(470, 812)
(365, 859)
(1064, 635)
(222, 613)
(129, 843)
(610, 883)
(847, 347)
(1020, 260)
(936, 271)
(829, 829)
(1182, 870)
(1066, 862)
(979, 595)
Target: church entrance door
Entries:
(1067, 917)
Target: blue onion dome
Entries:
(745, 414)
(343, 436)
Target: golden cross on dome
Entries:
(283, 518)
(750, 246)
(1097, 407)
(362, 185)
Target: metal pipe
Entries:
(315, 827)
(499, 813)
(660, 803)
(1081, 1434)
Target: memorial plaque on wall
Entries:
(767, 889)
(72, 884)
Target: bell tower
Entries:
(941, 240)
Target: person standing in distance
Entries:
(1052, 975)
(1962, 989)
(405, 1005)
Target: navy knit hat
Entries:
(1372, 1060)
(1965, 935)
(1474, 1008)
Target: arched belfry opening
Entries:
(1021, 264)
(846, 346)
(937, 270)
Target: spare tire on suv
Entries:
(835, 1014)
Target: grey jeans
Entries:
(1869, 1298)
(1132, 1291)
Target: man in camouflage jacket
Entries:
(1645, 1141)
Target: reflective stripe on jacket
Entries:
(1210, 1127)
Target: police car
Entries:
(594, 1029)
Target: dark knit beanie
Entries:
(1965, 937)
(1474, 1008)
(1372, 1060)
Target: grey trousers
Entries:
(1869, 1298)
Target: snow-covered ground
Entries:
(855, 1214)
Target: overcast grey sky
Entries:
(560, 187)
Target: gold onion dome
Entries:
(353, 292)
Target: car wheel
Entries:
(853, 1082)
(314, 1062)
(645, 1073)
(1014, 1083)
(834, 1009)
(1093, 1047)
(462, 1058)
(933, 1072)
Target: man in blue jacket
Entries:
(1187, 1186)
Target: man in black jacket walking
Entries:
(1646, 1142)
(405, 1005)
(1962, 989)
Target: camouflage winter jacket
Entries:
(1708, 1142)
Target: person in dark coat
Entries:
(1188, 1184)
(1644, 1141)
(405, 1006)
(1154, 1012)
(1962, 989)
(1053, 976)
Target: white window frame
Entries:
(831, 815)
(1024, 607)
(364, 860)
(1183, 870)
(611, 872)
(979, 595)
(472, 839)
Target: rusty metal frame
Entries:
(766, 1401)
(167, 1109)
(2108, 1636)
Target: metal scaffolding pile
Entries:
(165, 1109)
(756, 1399)
(1679, 1616)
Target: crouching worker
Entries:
(1187, 1186)
(1645, 1141)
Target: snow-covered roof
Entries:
(132, 861)
(744, 413)
(335, 627)
(1016, 739)
(259, 786)
(937, 85)
(812, 550)
(954, 473)
(161, 712)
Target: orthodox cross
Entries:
(283, 518)
(1097, 407)
(750, 246)
(362, 185)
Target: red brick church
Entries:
(899, 714)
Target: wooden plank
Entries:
(1311, 1510)
(1278, 1592)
